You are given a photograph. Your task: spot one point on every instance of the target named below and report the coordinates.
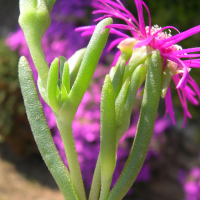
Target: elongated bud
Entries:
(145, 128)
(62, 60)
(121, 99)
(34, 20)
(75, 63)
(124, 111)
(66, 77)
(170, 70)
(52, 84)
(86, 70)
(138, 57)
(63, 94)
(126, 48)
(117, 78)
(108, 136)
(34, 15)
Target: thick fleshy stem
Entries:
(96, 181)
(123, 108)
(68, 109)
(144, 129)
(42, 133)
(65, 129)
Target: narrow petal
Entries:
(182, 83)
(85, 28)
(143, 42)
(183, 100)
(195, 86)
(114, 43)
(192, 63)
(169, 106)
(149, 17)
(114, 31)
(166, 27)
(139, 7)
(100, 18)
(181, 36)
(189, 50)
(190, 97)
(120, 26)
(121, 7)
(188, 56)
(116, 58)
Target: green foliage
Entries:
(41, 131)
(9, 90)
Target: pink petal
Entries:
(114, 31)
(189, 50)
(144, 42)
(85, 28)
(188, 56)
(190, 97)
(121, 7)
(192, 63)
(177, 38)
(120, 26)
(100, 18)
(182, 83)
(166, 27)
(169, 106)
(138, 4)
(116, 58)
(195, 86)
(149, 17)
(114, 43)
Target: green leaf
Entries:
(41, 131)
(63, 93)
(138, 57)
(87, 68)
(75, 63)
(108, 137)
(50, 4)
(66, 77)
(118, 78)
(167, 77)
(42, 90)
(62, 60)
(144, 128)
(52, 86)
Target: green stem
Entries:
(144, 129)
(65, 129)
(38, 57)
(96, 181)
(136, 81)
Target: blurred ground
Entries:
(25, 178)
(28, 178)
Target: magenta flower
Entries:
(179, 61)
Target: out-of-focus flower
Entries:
(191, 183)
(177, 61)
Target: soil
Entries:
(25, 178)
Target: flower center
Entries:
(162, 35)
